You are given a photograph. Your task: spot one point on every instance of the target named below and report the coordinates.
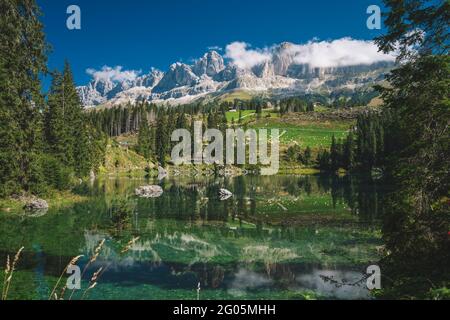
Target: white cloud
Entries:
(246, 58)
(336, 53)
(113, 74)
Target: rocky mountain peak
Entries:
(210, 64)
(179, 75)
(211, 75)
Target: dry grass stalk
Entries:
(92, 282)
(92, 260)
(9, 271)
(63, 291)
(97, 251)
(71, 263)
(130, 244)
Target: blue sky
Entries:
(138, 34)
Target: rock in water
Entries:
(149, 191)
(36, 205)
(162, 173)
(224, 194)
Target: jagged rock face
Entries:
(150, 80)
(96, 92)
(210, 64)
(283, 58)
(210, 74)
(179, 75)
(230, 73)
(102, 91)
(265, 70)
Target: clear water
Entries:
(282, 237)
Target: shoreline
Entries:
(57, 200)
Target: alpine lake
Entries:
(277, 237)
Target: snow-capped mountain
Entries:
(284, 71)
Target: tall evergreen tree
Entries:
(144, 140)
(307, 156)
(22, 60)
(349, 152)
(162, 141)
(334, 154)
(55, 125)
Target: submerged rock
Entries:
(36, 205)
(224, 194)
(149, 191)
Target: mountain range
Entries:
(282, 73)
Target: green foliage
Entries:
(348, 160)
(324, 160)
(22, 61)
(416, 28)
(32, 130)
(293, 153)
(69, 136)
(365, 152)
(417, 146)
(56, 175)
(370, 139)
(162, 139)
(307, 156)
(144, 145)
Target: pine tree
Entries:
(144, 140)
(73, 113)
(324, 160)
(22, 61)
(162, 139)
(334, 154)
(54, 122)
(211, 121)
(349, 152)
(307, 156)
(258, 110)
(181, 122)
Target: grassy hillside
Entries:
(311, 134)
(121, 158)
(235, 95)
(295, 129)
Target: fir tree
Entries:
(22, 61)
(55, 125)
(334, 154)
(162, 139)
(349, 152)
(144, 145)
(307, 156)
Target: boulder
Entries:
(36, 205)
(224, 194)
(149, 191)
